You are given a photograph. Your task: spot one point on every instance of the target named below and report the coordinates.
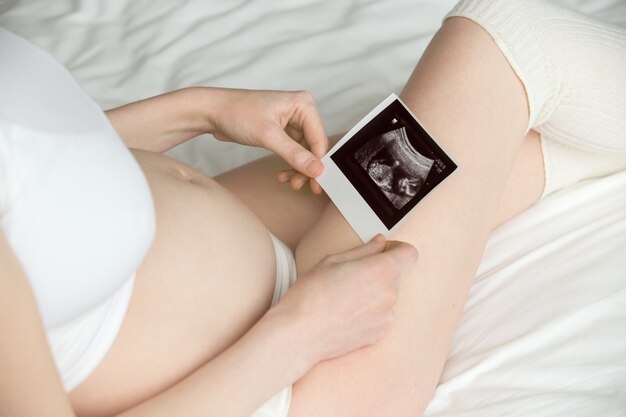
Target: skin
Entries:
(462, 76)
(195, 218)
(391, 375)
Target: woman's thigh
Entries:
(418, 316)
(206, 280)
(471, 101)
(288, 214)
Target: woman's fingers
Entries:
(293, 177)
(379, 253)
(279, 121)
(376, 245)
(285, 175)
(298, 181)
(313, 128)
(290, 175)
(402, 254)
(300, 158)
(305, 122)
(316, 188)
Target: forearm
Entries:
(239, 380)
(159, 123)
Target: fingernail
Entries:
(297, 183)
(315, 188)
(314, 167)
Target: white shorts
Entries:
(80, 345)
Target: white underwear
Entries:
(80, 345)
(278, 406)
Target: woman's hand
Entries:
(286, 123)
(346, 301)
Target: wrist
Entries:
(289, 333)
(209, 101)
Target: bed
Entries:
(544, 330)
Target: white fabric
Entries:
(77, 209)
(80, 345)
(352, 54)
(286, 273)
(278, 405)
(74, 206)
(571, 106)
(572, 67)
(543, 332)
(565, 165)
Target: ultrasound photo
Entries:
(391, 161)
(397, 168)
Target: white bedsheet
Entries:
(544, 330)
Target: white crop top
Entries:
(74, 205)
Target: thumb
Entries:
(376, 245)
(300, 158)
(402, 254)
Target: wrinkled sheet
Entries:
(544, 329)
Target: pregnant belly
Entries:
(209, 249)
(208, 277)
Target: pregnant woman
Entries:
(132, 284)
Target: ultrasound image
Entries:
(392, 162)
(396, 167)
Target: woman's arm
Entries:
(286, 123)
(159, 123)
(342, 304)
(261, 363)
(239, 380)
(29, 382)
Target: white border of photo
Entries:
(344, 195)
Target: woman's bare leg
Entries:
(526, 182)
(469, 98)
(165, 296)
(290, 214)
(432, 295)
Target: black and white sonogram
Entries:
(391, 162)
(394, 165)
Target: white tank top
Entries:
(74, 204)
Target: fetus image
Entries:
(392, 162)
(396, 167)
